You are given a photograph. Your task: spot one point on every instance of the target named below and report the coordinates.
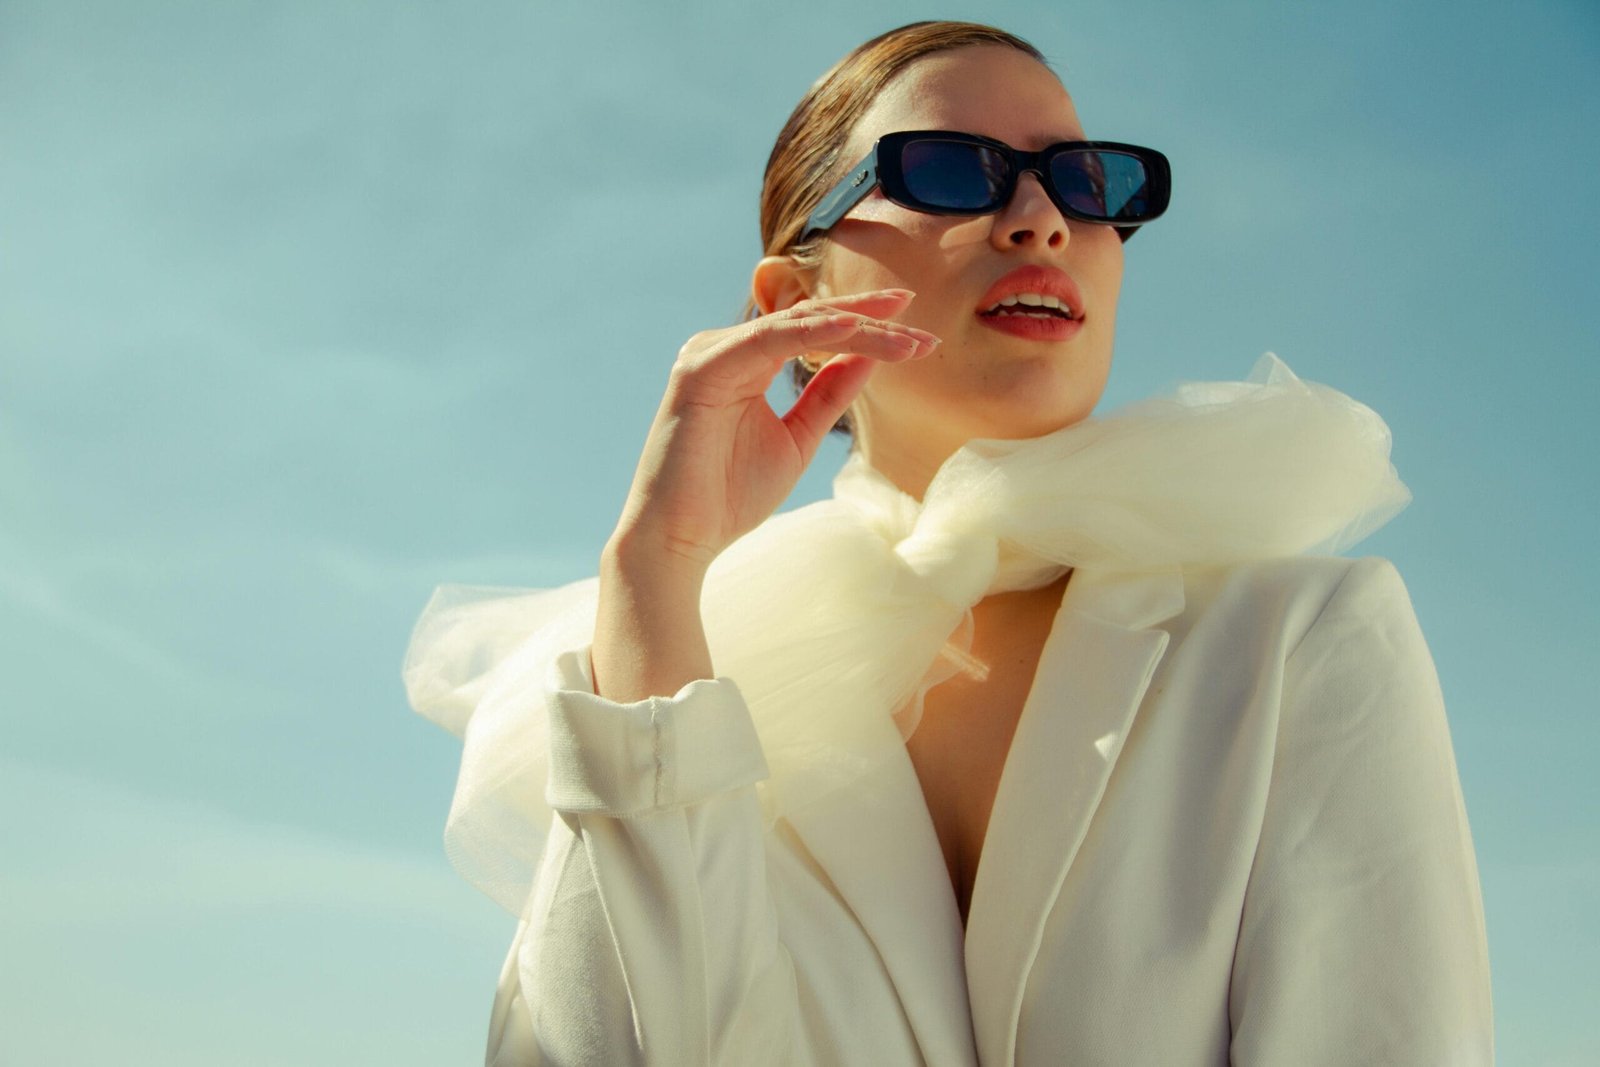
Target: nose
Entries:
(1031, 216)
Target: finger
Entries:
(882, 306)
(825, 398)
(875, 305)
(869, 340)
(779, 340)
(873, 301)
(737, 363)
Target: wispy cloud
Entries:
(194, 862)
(39, 602)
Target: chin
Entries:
(1033, 424)
(1039, 404)
(1033, 416)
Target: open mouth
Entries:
(1033, 323)
(1024, 311)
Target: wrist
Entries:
(637, 559)
(649, 638)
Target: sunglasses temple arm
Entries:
(853, 188)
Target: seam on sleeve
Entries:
(656, 754)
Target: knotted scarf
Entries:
(835, 619)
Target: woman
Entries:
(1206, 769)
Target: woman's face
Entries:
(981, 381)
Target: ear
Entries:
(778, 283)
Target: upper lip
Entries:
(1046, 281)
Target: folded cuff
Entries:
(660, 753)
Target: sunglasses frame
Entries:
(882, 166)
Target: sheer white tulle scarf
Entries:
(836, 618)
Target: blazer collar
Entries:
(881, 852)
(1096, 665)
(880, 849)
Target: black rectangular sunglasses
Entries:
(946, 172)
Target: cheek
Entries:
(956, 233)
(896, 223)
(876, 209)
(1110, 263)
(906, 250)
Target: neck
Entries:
(910, 474)
(903, 455)
(1001, 611)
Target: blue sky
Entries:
(308, 307)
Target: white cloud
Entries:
(69, 838)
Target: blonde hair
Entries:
(805, 161)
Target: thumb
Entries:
(825, 398)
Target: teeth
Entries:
(1033, 300)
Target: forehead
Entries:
(989, 89)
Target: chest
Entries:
(959, 748)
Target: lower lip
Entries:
(1040, 329)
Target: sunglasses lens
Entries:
(1114, 186)
(954, 175)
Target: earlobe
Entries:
(777, 283)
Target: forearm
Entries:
(641, 958)
(649, 638)
(651, 935)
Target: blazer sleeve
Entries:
(1362, 936)
(650, 935)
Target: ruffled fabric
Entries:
(478, 664)
(835, 619)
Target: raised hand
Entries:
(717, 461)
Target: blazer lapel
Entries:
(1092, 676)
(879, 847)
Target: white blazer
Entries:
(1229, 831)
